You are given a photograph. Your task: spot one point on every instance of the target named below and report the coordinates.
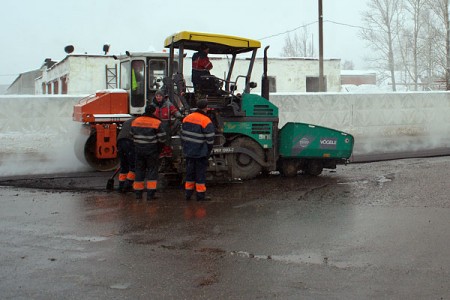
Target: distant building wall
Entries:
(24, 83)
(75, 74)
(287, 74)
(358, 79)
(80, 74)
(293, 74)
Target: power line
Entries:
(347, 25)
(312, 23)
(288, 31)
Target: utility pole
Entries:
(321, 81)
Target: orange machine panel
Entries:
(106, 141)
(104, 102)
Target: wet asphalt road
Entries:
(367, 231)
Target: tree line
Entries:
(408, 40)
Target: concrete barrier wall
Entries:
(379, 122)
(36, 114)
(42, 126)
(38, 135)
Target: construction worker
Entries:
(200, 66)
(165, 110)
(148, 137)
(137, 83)
(197, 134)
(125, 149)
(169, 116)
(137, 76)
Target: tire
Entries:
(288, 167)
(108, 164)
(314, 167)
(79, 146)
(243, 166)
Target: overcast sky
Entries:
(34, 30)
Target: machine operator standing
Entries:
(200, 66)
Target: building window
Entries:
(272, 84)
(125, 75)
(137, 83)
(156, 73)
(312, 84)
(49, 88)
(56, 87)
(44, 88)
(64, 85)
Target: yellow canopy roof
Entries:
(217, 43)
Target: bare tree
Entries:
(301, 45)
(411, 45)
(348, 65)
(381, 22)
(433, 54)
(442, 32)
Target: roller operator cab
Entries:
(248, 141)
(102, 114)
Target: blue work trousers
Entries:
(196, 176)
(147, 167)
(127, 155)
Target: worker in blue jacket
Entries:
(149, 138)
(197, 134)
(125, 149)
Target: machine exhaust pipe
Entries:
(265, 79)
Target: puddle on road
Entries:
(83, 238)
(356, 182)
(385, 178)
(380, 180)
(306, 258)
(120, 286)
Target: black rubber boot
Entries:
(188, 195)
(120, 189)
(128, 186)
(202, 197)
(138, 195)
(151, 195)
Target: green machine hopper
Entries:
(311, 148)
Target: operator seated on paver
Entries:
(203, 81)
